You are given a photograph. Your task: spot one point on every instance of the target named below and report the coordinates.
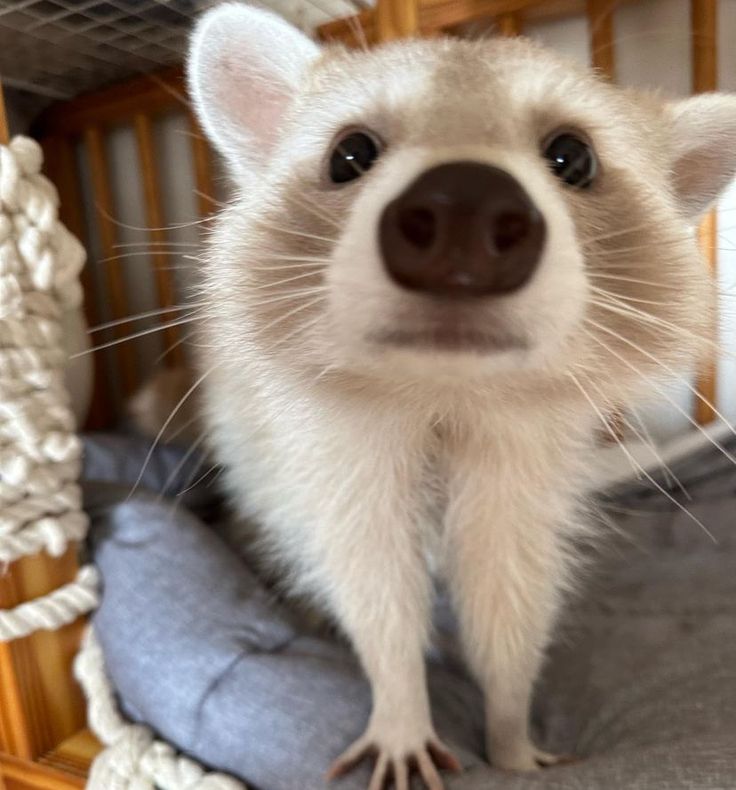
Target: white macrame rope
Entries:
(52, 611)
(47, 534)
(133, 759)
(40, 502)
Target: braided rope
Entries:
(133, 759)
(58, 608)
(50, 534)
(40, 262)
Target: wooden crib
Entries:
(43, 739)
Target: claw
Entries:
(354, 754)
(547, 760)
(528, 758)
(442, 756)
(378, 780)
(425, 759)
(429, 773)
(401, 775)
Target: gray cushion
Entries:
(641, 683)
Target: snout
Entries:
(462, 229)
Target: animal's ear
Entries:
(704, 129)
(245, 66)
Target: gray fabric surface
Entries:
(641, 683)
(117, 462)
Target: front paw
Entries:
(525, 756)
(396, 755)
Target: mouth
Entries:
(449, 339)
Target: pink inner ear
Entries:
(256, 105)
(699, 177)
(265, 115)
(245, 67)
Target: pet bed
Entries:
(641, 683)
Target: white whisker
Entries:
(141, 316)
(283, 317)
(181, 463)
(186, 320)
(279, 283)
(637, 464)
(291, 295)
(300, 329)
(171, 348)
(604, 292)
(619, 308)
(314, 210)
(293, 232)
(670, 400)
(279, 267)
(155, 244)
(645, 438)
(166, 424)
(218, 203)
(621, 278)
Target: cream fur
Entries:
(341, 447)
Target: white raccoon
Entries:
(445, 262)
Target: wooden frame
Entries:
(43, 740)
(704, 22)
(87, 122)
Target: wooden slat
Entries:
(509, 24)
(354, 31)
(74, 756)
(103, 214)
(15, 719)
(704, 24)
(26, 775)
(4, 130)
(61, 167)
(439, 15)
(153, 94)
(396, 20)
(42, 704)
(707, 380)
(600, 29)
(202, 156)
(165, 284)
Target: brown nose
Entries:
(462, 229)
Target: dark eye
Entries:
(352, 156)
(572, 160)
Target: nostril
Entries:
(418, 226)
(509, 229)
(462, 229)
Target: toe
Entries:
(428, 772)
(545, 759)
(442, 756)
(350, 758)
(401, 775)
(378, 780)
